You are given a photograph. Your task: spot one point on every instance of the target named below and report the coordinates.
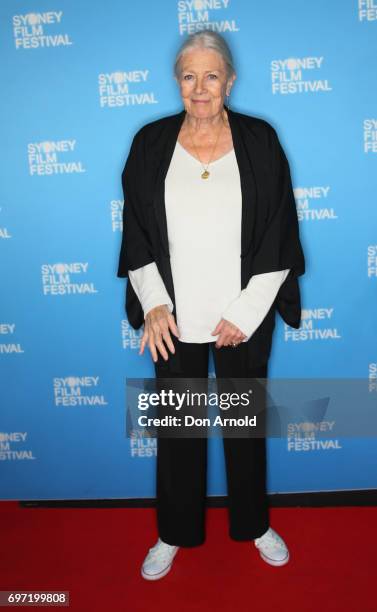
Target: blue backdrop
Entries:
(79, 78)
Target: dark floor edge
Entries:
(365, 497)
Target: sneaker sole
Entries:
(156, 576)
(272, 561)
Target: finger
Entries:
(152, 340)
(173, 326)
(157, 336)
(235, 338)
(164, 333)
(227, 335)
(143, 342)
(166, 336)
(235, 334)
(152, 349)
(218, 327)
(221, 340)
(161, 347)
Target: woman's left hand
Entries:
(229, 334)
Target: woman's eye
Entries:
(187, 77)
(212, 76)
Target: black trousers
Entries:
(182, 462)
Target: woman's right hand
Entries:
(158, 323)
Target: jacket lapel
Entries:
(247, 178)
(168, 143)
(248, 182)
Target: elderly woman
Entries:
(211, 250)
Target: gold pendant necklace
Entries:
(205, 174)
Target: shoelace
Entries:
(162, 550)
(270, 539)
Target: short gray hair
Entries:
(206, 39)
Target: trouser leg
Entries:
(245, 457)
(182, 463)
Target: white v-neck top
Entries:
(204, 233)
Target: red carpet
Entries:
(96, 555)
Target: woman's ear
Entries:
(229, 84)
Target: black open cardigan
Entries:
(269, 231)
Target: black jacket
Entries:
(269, 233)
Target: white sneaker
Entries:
(272, 548)
(159, 560)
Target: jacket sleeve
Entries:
(135, 250)
(279, 248)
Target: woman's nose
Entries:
(199, 86)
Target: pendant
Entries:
(205, 174)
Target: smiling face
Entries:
(203, 82)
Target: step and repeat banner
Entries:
(79, 79)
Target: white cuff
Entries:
(149, 287)
(250, 308)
